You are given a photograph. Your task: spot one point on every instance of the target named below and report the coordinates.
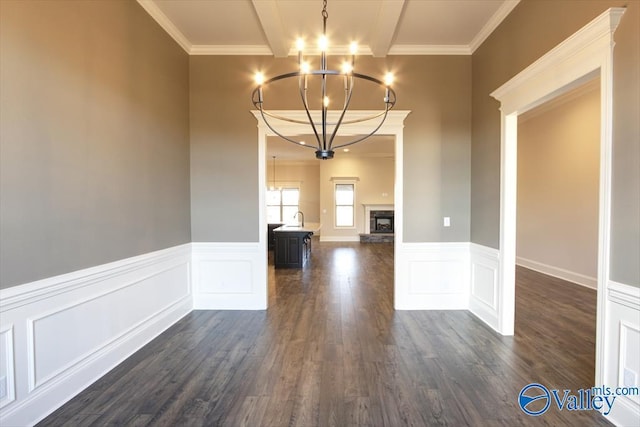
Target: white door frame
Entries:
(393, 125)
(582, 56)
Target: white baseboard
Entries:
(229, 276)
(484, 298)
(622, 337)
(432, 276)
(60, 334)
(560, 273)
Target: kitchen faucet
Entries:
(301, 216)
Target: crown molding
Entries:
(264, 50)
(411, 49)
(166, 24)
(205, 49)
(497, 18)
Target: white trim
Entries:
(429, 49)
(568, 65)
(229, 276)
(560, 273)
(231, 50)
(163, 20)
(484, 294)
(432, 276)
(393, 125)
(368, 207)
(503, 11)
(267, 14)
(30, 293)
(150, 293)
(622, 294)
(9, 368)
(623, 318)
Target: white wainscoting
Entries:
(229, 276)
(432, 276)
(60, 334)
(484, 298)
(622, 350)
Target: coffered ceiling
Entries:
(381, 27)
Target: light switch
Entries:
(447, 221)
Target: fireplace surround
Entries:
(381, 222)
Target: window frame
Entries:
(352, 183)
(281, 206)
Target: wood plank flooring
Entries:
(331, 351)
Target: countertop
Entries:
(309, 227)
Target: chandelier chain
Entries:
(325, 15)
(325, 126)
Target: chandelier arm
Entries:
(258, 103)
(324, 106)
(281, 135)
(368, 135)
(347, 101)
(303, 95)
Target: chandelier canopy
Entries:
(325, 130)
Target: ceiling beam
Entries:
(385, 29)
(269, 16)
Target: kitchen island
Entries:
(293, 245)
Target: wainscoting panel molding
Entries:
(622, 341)
(229, 276)
(67, 331)
(7, 366)
(484, 297)
(432, 276)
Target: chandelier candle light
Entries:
(325, 131)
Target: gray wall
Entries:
(224, 163)
(531, 30)
(94, 137)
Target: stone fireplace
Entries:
(379, 224)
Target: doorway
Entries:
(393, 126)
(581, 57)
(557, 232)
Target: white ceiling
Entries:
(381, 27)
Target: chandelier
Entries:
(325, 131)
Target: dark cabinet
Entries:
(271, 236)
(292, 249)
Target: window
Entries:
(282, 204)
(345, 199)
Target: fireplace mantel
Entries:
(368, 207)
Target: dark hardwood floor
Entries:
(331, 351)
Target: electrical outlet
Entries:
(447, 221)
(630, 378)
(3, 387)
